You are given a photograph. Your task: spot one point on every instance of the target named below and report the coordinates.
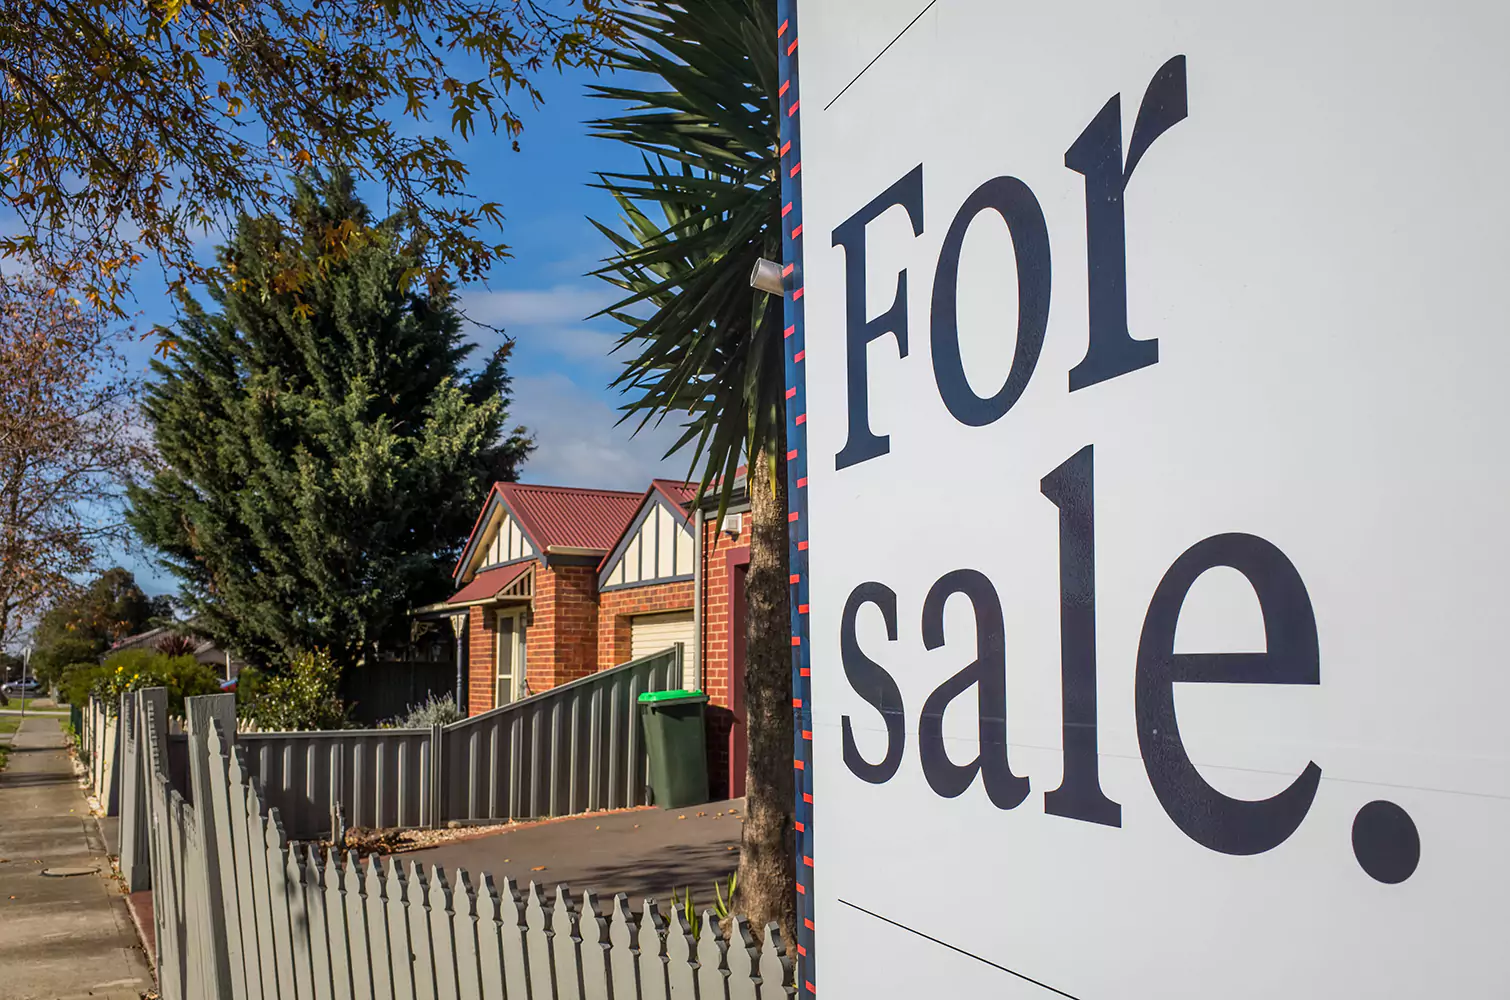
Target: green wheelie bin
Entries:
(676, 739)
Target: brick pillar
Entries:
(576, 633)
(614, 634)
(540, 637)
(481, 668)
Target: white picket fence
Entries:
(101, 741)
(242, 915)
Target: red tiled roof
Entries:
(570, 517)
(486, 585)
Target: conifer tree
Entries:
(323, 446)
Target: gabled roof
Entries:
(674, 495)
(488, 584)
(569, 517)
(557, 517)
(680, 494)
(684, 494)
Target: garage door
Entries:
(653, 633)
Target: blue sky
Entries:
(540, 297)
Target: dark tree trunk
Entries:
(766, 867)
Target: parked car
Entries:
(27, 686)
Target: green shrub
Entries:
(250, 683)
(133, 669)
(439, 710)
(303, 697)
(78, 679)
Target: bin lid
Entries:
(673, 697)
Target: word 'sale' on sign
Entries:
(1157, 536)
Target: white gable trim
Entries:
(500, 539)
(657, 547)
(507, 542)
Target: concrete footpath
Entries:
(60, 938)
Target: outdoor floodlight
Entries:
(766, 277)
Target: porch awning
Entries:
(490, 583)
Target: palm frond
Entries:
(693, 222)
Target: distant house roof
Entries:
(737, 492)
(150, 638)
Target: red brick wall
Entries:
(540, 633)
(716, 618)
(562, 641)
(561, 635)
(716, 624)
(616, 607)
(481, 647)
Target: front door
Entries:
(509, 657)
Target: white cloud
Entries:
(549, 322)
(575, 342)
(579, 442)
(559, 304)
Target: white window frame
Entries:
(516, 637)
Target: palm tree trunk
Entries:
(766, 872)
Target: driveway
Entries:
(643, 852)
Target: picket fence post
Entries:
(110, 793)
(437, 777)
(204, 713)
(136, 857)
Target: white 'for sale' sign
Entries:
(1159, 498)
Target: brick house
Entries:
(556, 583)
